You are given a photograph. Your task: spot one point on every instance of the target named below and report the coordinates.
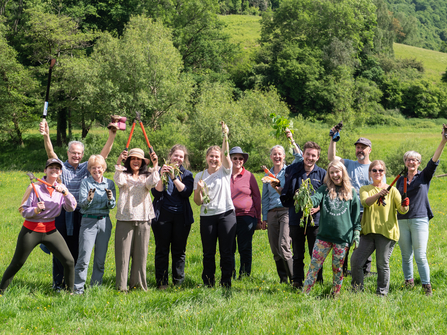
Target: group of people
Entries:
(353, 206)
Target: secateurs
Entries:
(381, 200)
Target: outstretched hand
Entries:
(91, 194)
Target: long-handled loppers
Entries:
(151, 150)
(381, 200)
(31, 177)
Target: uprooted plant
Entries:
(303, 202)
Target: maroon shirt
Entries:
(245, 194)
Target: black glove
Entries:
(109, 194)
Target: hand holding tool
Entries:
(45, 106)
(381, 200)
(30, 175)
(335, 132)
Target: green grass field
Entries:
(255, 305)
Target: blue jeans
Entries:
(245, 229)
(414, 238)
(94, 233)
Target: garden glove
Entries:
(356, 239)
(405, 202)
(109, 194)
(91, 194)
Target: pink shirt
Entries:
(245, 194)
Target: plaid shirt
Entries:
(72, 178)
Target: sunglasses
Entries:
(237, 158)
(377, 170)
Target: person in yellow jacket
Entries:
(380, 230)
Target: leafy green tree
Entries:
(141, 72)
(17, 88)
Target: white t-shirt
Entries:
(219, 191)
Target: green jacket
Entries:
(338, 219)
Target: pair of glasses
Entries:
(238, 158)
(377, 170)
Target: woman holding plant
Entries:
(217, 218)
(339, 224)
(39, 211)
(135, 212)
(277, 216)
(414, 224)
(173, 216)
(380, 230)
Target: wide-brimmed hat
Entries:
(363, 141)
(238, 150)
(137, 152)
(53, 161)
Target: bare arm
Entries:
(332, 150)
(226, 160)
(440, 148)
(109, 144)
(45, 131)
(296, 148)
(198, 193)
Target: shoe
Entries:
(427, 289)
(409, 283)
(163, 287)
(297, 285)
(78, 292)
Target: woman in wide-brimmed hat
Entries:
(134, 215)
(247, 203)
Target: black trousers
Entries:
(220, 227)
(72, 243)
(299, 249)
(170, 232)
(26, 242)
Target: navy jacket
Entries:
(183, 196)
(295, 174)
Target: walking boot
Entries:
(289, 268)
(409, 283)
(427, 289)
(281, 269)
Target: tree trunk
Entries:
(85, 128)
(61, 127)
(70, 130)
(18, 139)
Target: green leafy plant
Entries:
(281, 125)
(165, 175)
(303, 202)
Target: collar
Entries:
(242, 172)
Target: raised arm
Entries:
(109, 144)
(332, 150)
(225, 155)
(441, 146)
(45, 131)
(295, 147)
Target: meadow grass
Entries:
(243, 29)
(254, 305)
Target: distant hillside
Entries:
(423, 23)
(246, 30)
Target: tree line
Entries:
(172, 62)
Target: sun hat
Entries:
(53, 161)
(363, 141)
(139, 153)
(238, 150)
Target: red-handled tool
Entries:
(151, 150)
(381, 200)
(31, 177)
(130, 135)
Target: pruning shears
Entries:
(381, 200)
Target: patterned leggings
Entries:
(319, 254)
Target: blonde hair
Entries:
(180, 147)
(96, 160)
(345, 190)
(214, 147)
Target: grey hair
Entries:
(412, 154)
(280, 147)
(76, 143)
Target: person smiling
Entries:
(217, 218)
(134, 214)
(247, 203)
(96, 198)
(380, 230)
(174, 217)
(413, 225)
(39, 226)
(339, 224)
(295, 174)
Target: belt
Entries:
(276, 209)
(95, 216)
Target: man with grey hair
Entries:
(359, 174)
(73, 172)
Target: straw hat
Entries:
(137, 152)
